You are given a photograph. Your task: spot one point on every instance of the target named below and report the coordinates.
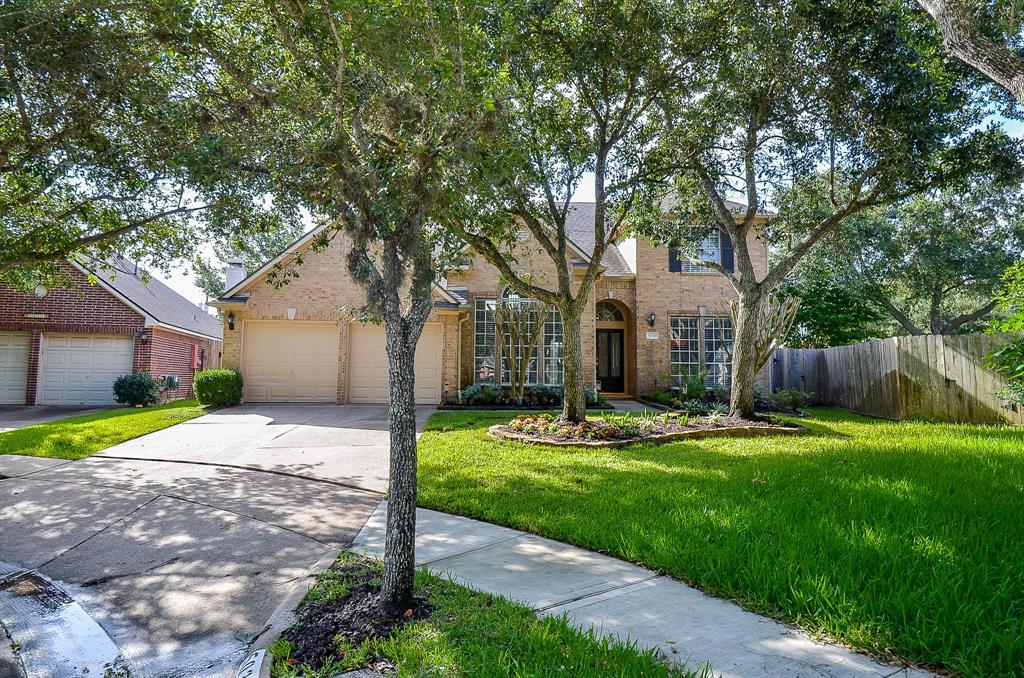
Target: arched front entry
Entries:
(614, 347)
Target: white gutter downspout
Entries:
(458, 359)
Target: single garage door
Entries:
(13, 367)
(368, 365)
(80, 369)
(290, 362)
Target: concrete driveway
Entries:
(183, 542)
(13, 417)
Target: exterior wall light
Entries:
(652, 318)
(231, 320)
(143, 336)
(40, 291)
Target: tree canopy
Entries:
(94, 143)
(850, 100)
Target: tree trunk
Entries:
(744, 355)
(400, 538)
(574, 400)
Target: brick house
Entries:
(66, 346)
(651, 314)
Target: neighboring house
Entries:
(67, 346)
(651, 314)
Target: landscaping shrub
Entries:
(661, 398)
(1008, 361)
(219, 388)
(481, 394)
(789, 400)
(695, 387)
(538, 395)
(140, 388)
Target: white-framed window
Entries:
(684, 348)
(718, 352)
(701, 343)
(485, 355)
(546, 363)
(710, 250)
(554, 349)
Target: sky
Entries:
(182, 281)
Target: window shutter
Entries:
(727, 258)
(674, 264)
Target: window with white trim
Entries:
(718, 352)
(546, 363)
(701, 343)
(484, 350)
(684, 349)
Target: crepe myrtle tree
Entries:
(849, 100)
(584, 77)
(987, 34)
(368, 113)
(92, 158)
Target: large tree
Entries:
(934, 262)
(852, 89)
(92, 152)
(584, 80)
(369, 115)
(987, 34)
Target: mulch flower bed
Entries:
(629, 428)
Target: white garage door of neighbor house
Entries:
(368, 365)
(80, 369)
(290, 362)
(13, 367)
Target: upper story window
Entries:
(717, 247)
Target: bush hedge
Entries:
(218, 388)
(140, 388)
(539, 395)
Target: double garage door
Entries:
(74, 369)
(299, 362)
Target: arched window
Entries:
(607, 311)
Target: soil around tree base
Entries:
(355, 617)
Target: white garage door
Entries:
(80, 369)
(290, 362)
(13, 367)
(368, 365)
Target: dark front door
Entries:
(610, 372)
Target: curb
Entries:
(256, 663)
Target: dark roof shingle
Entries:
(155, 298)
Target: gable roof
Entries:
(235, 293)
(579, 227)
(153, 298)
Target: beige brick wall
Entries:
(669, 294)
(324, 291)
(483, 281)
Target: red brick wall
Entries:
(82, 308)
(86, 308)
(91, 309)
(171, 353)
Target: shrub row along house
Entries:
(67, 346)
(653, 314)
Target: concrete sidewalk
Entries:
(621, 599)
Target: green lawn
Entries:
(77, 437)
(903, 539)
(467, 634)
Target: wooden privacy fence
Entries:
(930, 377)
